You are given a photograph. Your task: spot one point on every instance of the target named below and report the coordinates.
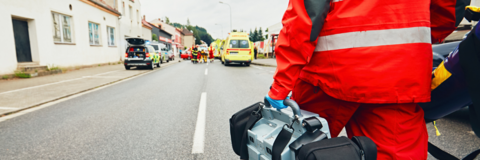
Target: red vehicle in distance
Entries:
(186, 55)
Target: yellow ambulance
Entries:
(237, 49)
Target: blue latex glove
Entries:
(278, 104)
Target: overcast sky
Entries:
(246, 14)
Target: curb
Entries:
(262, 64)
(82, 91)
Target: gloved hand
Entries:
(278, 104)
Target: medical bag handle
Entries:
(290, 103)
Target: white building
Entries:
(59, 33)
(169, 29)
(67, 33)
(130, 23)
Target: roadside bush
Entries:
(5, 77)
(260, 56)
(22, 75)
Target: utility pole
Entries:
(230, 14)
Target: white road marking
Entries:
(8, 108)
(48, 84)
(106, 73)
(199, 136)
(206, 71)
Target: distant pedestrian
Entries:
(255, 51)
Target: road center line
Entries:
(199, 136)
(206, 71)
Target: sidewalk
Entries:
(265, 62)
(19, 94)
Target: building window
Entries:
(111, 36)
(123, 9)
(62, 28)
(115, 4)
(131, 12)
(94, 33)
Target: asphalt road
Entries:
(154, 116)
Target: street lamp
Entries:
(230, 14)
(220, 26)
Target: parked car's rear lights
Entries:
(131, 49)
(250, 53)
(148, 55)
(126, 55)
(228, 53)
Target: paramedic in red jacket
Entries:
(211, 50)
(363, 65)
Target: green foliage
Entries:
(52, 67)
(167, 20)
(266, 30)
(260, 35)
(257, 35)
(154, 37)
(250, 36)
(5, 77)
(22, 75)
(178, 25)
(260, 56)
(199, 33)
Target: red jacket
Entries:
(368, 51)
(210, 51)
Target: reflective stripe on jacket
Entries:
(368, 51)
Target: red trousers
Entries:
(398, 130)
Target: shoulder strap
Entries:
(251, 121)
(280, 143)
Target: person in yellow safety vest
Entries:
(205, 56)
(194, 54)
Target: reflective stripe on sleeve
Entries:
(373, 38)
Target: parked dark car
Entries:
(139, 54)
(441, 51)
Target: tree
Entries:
(250, 36)
(255, 35)
(260, 35)
(167, 20)
(266, 30)
(154, 37)
(188, 22)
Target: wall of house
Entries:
(188, 41)
(38, 14)
(147, 33)
(130, 24)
